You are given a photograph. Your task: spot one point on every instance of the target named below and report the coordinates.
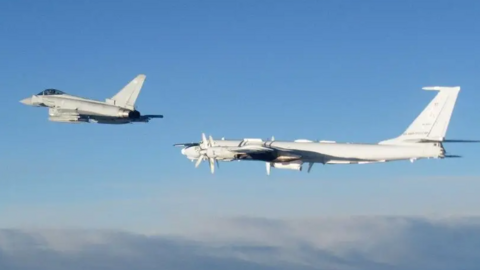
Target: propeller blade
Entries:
(211, 141)
(269, 165)
(204, 141)
(212, 165)
(200, 158)
(218, 164)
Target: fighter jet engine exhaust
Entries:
(134, 114)
(129, 114)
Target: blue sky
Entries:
(346, 71)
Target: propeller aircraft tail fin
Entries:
(433, 121)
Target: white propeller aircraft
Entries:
(423, 139)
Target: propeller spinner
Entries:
(206, 153)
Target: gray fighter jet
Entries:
(119, 109)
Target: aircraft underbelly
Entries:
(105, 120)
(99, 109)
(352, 152)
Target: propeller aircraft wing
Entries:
(186, 144)
(251, 149)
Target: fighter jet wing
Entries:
(150, 116)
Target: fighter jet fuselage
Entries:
(119, 109)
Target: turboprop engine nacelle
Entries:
(220, 153)
(297, 166)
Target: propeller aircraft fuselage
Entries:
(423, 139)
(292, 155)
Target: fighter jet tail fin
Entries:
(128, 95)
(433, 121)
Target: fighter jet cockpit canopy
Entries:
(49, 92)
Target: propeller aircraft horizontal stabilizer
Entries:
(452, 156)
(449, 141)
(461, 141)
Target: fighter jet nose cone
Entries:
(26, 101)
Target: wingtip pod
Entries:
(441, 88)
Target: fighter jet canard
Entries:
(119, 109)
(423, 139)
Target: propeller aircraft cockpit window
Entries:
(50, 92)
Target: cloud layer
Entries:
(372, 243)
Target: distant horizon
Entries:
(257, 243)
